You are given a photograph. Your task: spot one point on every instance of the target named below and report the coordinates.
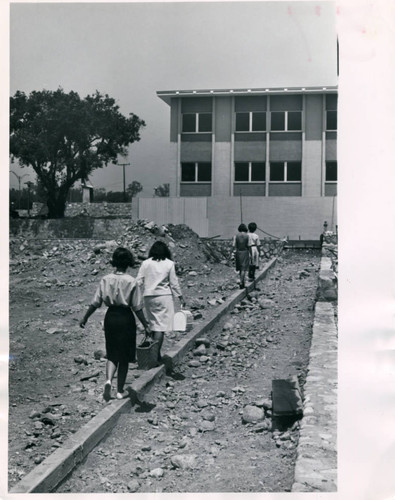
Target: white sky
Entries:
(131, 51)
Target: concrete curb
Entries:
(173, 357)
(50, 472)
(316, 463)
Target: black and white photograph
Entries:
(200, 295)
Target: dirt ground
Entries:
(57, 369)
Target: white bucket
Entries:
(182, 321)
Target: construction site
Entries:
(207, 419)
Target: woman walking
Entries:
(253, 245)
(157, 276)
(121, 294)
(240, 243)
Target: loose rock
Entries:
(252, 414)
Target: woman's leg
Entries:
(110, 370)
(123, 368)
(242, 278)
(158, 336)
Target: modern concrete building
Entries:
(272, 148)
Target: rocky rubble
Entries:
(208, 427)
(57, 369)
(94, 255)
(51, 358)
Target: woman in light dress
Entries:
(253, 245)
(158, 279)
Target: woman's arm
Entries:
(89, 312)
(175, 285)
(143, 321)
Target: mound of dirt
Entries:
(88, 255)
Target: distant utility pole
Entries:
(124, 185)
(19, 177)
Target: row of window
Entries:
(255, 121)
(251, 171)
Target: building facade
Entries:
(270, 147)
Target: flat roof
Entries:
(166, 95)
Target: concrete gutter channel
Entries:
(54, 469)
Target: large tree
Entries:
(64, 138)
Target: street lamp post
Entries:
(19, 177)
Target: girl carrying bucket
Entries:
(121, 294)
(157, 277)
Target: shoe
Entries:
(122, 395)
(242, 285)
(107, 391)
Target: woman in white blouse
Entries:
(157, 276)
(121, 294)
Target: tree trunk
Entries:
(56, 204)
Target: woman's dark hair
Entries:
(159, 251)
(252, 227)
(122, 258)
(242, 228)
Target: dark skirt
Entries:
(242, 260)
(120, 334)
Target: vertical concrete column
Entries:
(179, 128)
(303, 140)
(232, 146)
(213, 169)
(267, 159)
(323, 145)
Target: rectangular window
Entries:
(196, 172)
(189, 122)
(242, 171)
(277, 170)
(251, 121)
(331, 120)
(204, 172)
(197, 122)
(242, 122)
(331, 171)
(285, 120)
(204, 121)
(287, 171)
(258, 121)
(188, 172)
(294, 171)
(257, 171)
(294, 120)
(252, 171)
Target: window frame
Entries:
(286, 120)
(196, 181)
(250, 121)
(250, 172)
(285, 166)
(197, 115)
